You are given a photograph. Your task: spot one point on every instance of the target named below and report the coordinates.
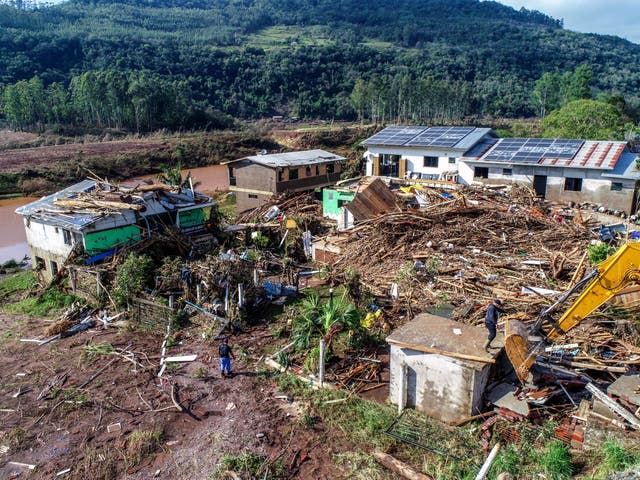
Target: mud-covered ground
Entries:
(47, 420)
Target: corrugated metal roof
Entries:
(601, 155)
(592, 154)
(44, 208)
(294, 159)
(45, 211)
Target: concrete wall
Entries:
(48, 243)
(440, 386)
(595, 187)
(415, 159)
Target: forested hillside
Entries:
(196, 63)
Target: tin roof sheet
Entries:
(294, 159)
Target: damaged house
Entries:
(98, 219)
(255, 179)
(565, 170)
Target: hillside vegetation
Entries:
(195, 63)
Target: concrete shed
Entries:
(438, 367)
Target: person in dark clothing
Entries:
(226, 354)
(491, 321)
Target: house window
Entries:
(573, 184)
(253, 195)
(481, 172)
(317, 169)
(293, 174)
(452, 160)
(331, 168)
(329, 195)
(40, 265)
(280, 175)
(66, 235)
(54, 267)
(308, 171)
(616, 186)
(507, 172)
(232, 177)
(431, 162)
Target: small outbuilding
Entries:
(439, 367)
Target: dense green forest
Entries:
(143, 65)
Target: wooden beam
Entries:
(399, 467)
(461, 356)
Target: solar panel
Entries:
(440, 137)
(397, 135)
(532, 150)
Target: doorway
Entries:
(540, 185)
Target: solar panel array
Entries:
(532, 150)
(395, 135)
(420, 136)
(440, 137)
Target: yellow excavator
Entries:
(615, 273)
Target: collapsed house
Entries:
(256, 178)
(97, 219)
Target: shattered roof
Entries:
(439, 333)
(440, 137)
(293, 159)
(590, 154)
(46, 211)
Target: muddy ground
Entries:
(56, 426)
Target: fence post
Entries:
(321, 363)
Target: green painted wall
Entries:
(196, 216)
(333, 200)
(104, 240)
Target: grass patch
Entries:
(282, 36)
(140, 444)
(555, 461)
(359, 466)
(249, 465)
(16, 283)
(97, 464)
(43, 305)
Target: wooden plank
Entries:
(461, 356)
(399, 467)
(180, 358)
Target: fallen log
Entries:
(399, 467)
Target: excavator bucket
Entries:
(518, 348)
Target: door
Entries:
(540, 185)
(412, 387)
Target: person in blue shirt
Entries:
(226, 354)
(491, 321)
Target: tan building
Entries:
(254, 179)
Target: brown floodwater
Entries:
(212, 179)
(13, 242)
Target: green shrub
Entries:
(598, 253)
(132, 277)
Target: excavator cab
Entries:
(523, 343)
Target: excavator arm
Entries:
(612, 275)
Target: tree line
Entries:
(192, 63)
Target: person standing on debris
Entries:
(226, 354)
(491, 321)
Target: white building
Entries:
(439, 367)
(564, 170)
(421, 152)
